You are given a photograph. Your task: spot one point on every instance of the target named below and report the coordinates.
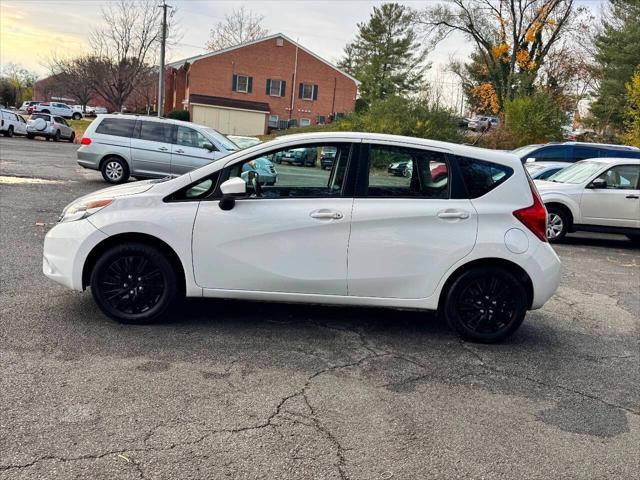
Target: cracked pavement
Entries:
(229, 389)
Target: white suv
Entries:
(464, 234)
(599, 195)
(58, 109)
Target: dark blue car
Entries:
(573, 152)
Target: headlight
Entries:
(80, 210)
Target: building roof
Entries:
(195, 58)
(229, 102)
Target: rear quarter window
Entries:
(480, 176)
(118, 127)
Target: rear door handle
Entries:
(325, 214)
(453, 214)
(633, 196)
(179, 151)
(163, 149)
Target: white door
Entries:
(289, 237)
(189, 152)
(618, 205)
(405, 231)
(151, 149)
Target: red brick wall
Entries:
(265, 60)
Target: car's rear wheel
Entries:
(9, 131)
(134, 283)
(76, 116)
(72, 137)
(56, 136)
(557, 224)
(115, 170)
(486, 305)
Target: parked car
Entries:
(600, 195)
(100, 110)
(121, 146)
(267, 174)
(471, 245)
(400, 169)
(56, 108)
(482, 123)
(244, 142)
(543, 170)
(26, 104)
(51, 127)
(327, 157)
(304, 157)
(573, 152)
(12, 123)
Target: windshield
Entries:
(523, 151)
(534, 167)
(221, 139)
(245, 142)
(577, 173)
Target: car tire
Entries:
(30, 136)
(557, 224)
(115, 170)
(134, 283)
(46, 111)
(76, 116)
(485, 305)
(72, 137)
(9, 132)
(56, 136)
(635, 239)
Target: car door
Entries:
(21, 127)
(65, 129)
(189, 150)
(406, 232)
(617, 205)
(290, 237)
(151, 148)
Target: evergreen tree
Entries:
(385, 56)
(617, 57)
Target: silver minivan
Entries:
(121, 146)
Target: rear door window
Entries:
(480, 176)
(156, 132)
(550, 154)
(582, 153)
(118, 127)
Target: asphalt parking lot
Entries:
(246, 390)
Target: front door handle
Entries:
(633, 196)
(179, 151)
(325, 214)
(453, 214)
(163, 149)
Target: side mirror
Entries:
(598, 183)
(530, 160)
(234, 187)
(209, 146)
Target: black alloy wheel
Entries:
(134, 283)
(486, 304)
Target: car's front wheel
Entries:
(134, 283)
(72, 137)
(115, 170)
(9, 132)
(557, 224)
(77, 116)
(486, 304)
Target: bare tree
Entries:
(512, 37)
(124, 47)
(239, 27)
(74, 77)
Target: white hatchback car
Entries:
(464, 234)
(598, 195)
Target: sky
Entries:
(31, 31)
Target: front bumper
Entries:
(66, 247)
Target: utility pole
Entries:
(163, 44)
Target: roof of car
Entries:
(599, 145)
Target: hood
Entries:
(132, 188)
(546, 186)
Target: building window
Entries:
(276, 88)
(242, 83)
(273, 121)
(305, 122)
(307, 91)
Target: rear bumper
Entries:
(544, 269)
(88, 159)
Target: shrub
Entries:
(533, 119)
(632, 113)
(179, 115)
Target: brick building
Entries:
(260, 85)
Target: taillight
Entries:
(534, 217)
(85, 141)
